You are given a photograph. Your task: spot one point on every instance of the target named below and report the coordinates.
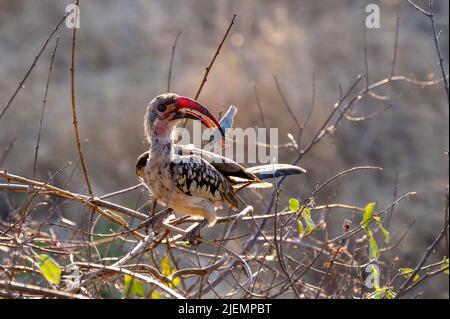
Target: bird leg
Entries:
(191, 236)
(156, 220)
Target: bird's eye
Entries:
(162, 108)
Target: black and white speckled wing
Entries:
(196, 177)
(224, 165)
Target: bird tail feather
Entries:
(275, 170)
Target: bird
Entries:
(189, 180)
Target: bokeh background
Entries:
(123, 55)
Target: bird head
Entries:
(166, 110)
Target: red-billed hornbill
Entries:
(189, 180)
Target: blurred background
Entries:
(123, 55)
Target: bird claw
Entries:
(154, 222)
(192, 236)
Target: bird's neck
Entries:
(161, 148)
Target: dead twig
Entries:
(37, 290)
(174, 46)
(404, 288)
(286, 103)
(438, 49)
(430, 15)
(74, 106)
(36, 58)
(258, 104)
(209, 67)
(44, 101)
(7, 151)
(394, 57)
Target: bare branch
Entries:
(438, 50)
(74, 107)
(44, 101)
(169, 76)
(37, 290)
(22, 82)
(403, 289)
(415, 6)
(208, 68)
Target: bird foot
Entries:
(154, 222)
(193, 235)
(192, 238)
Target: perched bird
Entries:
(189, 180)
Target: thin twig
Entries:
(424, 258)
(7, 151)
(44, 101)
(366, 62)
(122, 191)
(37, 290)
(208, 68)
(146, 279)
(36, 58)
(74, 107)
(427, 275)
(330, 264)
(258, 104)
(286, 104)
(394, 57)
(415, 6)
(391, 213)
(367, 117)
(169, 75)
(313, 103)
(438, 49)
(430, 14)
(93, 203)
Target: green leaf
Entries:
(301, 229)
(373, 247)
(133, 287)
(368, 214)
(176, 281)
(386, 234)
(155, 295)
(168, 270)
(310, 225)
(445, 265)
(49, 269)
(166, 267)
(376, 277)
(294, 204)
(383, 293)
(41, 243)
(407, 272)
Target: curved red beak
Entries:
(189, 108)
